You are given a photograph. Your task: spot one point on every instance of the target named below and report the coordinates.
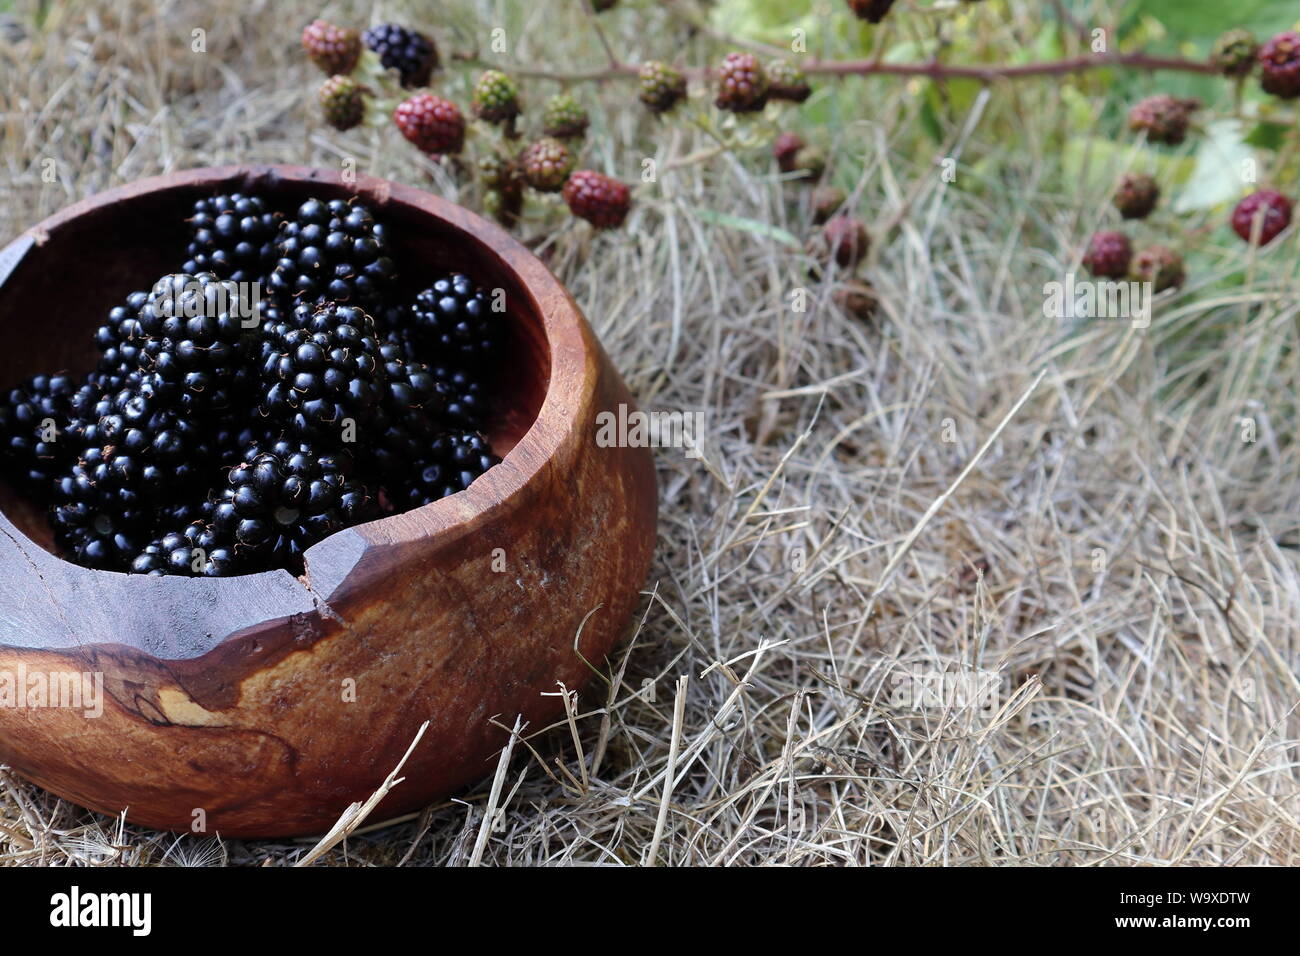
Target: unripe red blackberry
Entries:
(846, 240)
(873, 11)
(433, 124)
(334, 49)
(662, 87)
(787, 82)
(1160, 266)
(784, 149)
(546, 164)
(1164, 118)
(1279, 61)
(564, 117)
(342, 102)
(826, 202)
(1234, 53)
(602, 201)
(1109, 255)
(1137, 196)
(1273, 209)
(743, 86)
(496, 97)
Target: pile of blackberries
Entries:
(276, 389)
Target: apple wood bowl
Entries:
(265, 704)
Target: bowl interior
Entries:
(89, 261)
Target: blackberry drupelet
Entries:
(333, 251)
(452, 463)
(318, 377)
(412, 54)
(454, 321)
(233, 237)
(281, 501)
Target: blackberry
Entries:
(198, 333)
(1161, 266)
(546, 164)
(743, 85)
(1279, 65)
(454, 320)
(784, 150)
(452, 463)
(845, 239)
(601, 200)
(496, 97)
(410, 414)
(33, 425)
(873, 11)
(1164, 118)
(333, 251)
(1234, 53)
(1271, 208)
(564, 117)
(1137, 196)
(662, 87)
(317, 378)
(342, 101)
(413, 55)
(787, 82)
(198, 549)
(120, 339)
(1109, 255)
(436, 126)
(462, 396)
(333, 49)
(233, 237)
(281, 501)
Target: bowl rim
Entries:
(331, 562)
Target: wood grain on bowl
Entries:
(269, 702)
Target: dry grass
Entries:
(1117, 558)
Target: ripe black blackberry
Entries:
(34, 445)
(199, 341)
(317, 378)
(463, 396)
(454, 319)
(196, 550)
(410, 415)
(412, 54)
(333, 251)
(283, 500)
(120, 339)
(453, 461)
(233, 237)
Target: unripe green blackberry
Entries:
(496, 97)
(662, 87)
(743, 86)
(342, 101)
(1160, 266)
(1137, 196)
(564, 117)
(1234, 53)
(546, 164)
(1164, 118)
(787, 82)
(873, 11)
(499, 172)
(1279, 61)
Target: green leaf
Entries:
(751, 226)
(1219, 162)
(929, 115)
(1267, 135)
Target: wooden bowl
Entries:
(264, 705)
